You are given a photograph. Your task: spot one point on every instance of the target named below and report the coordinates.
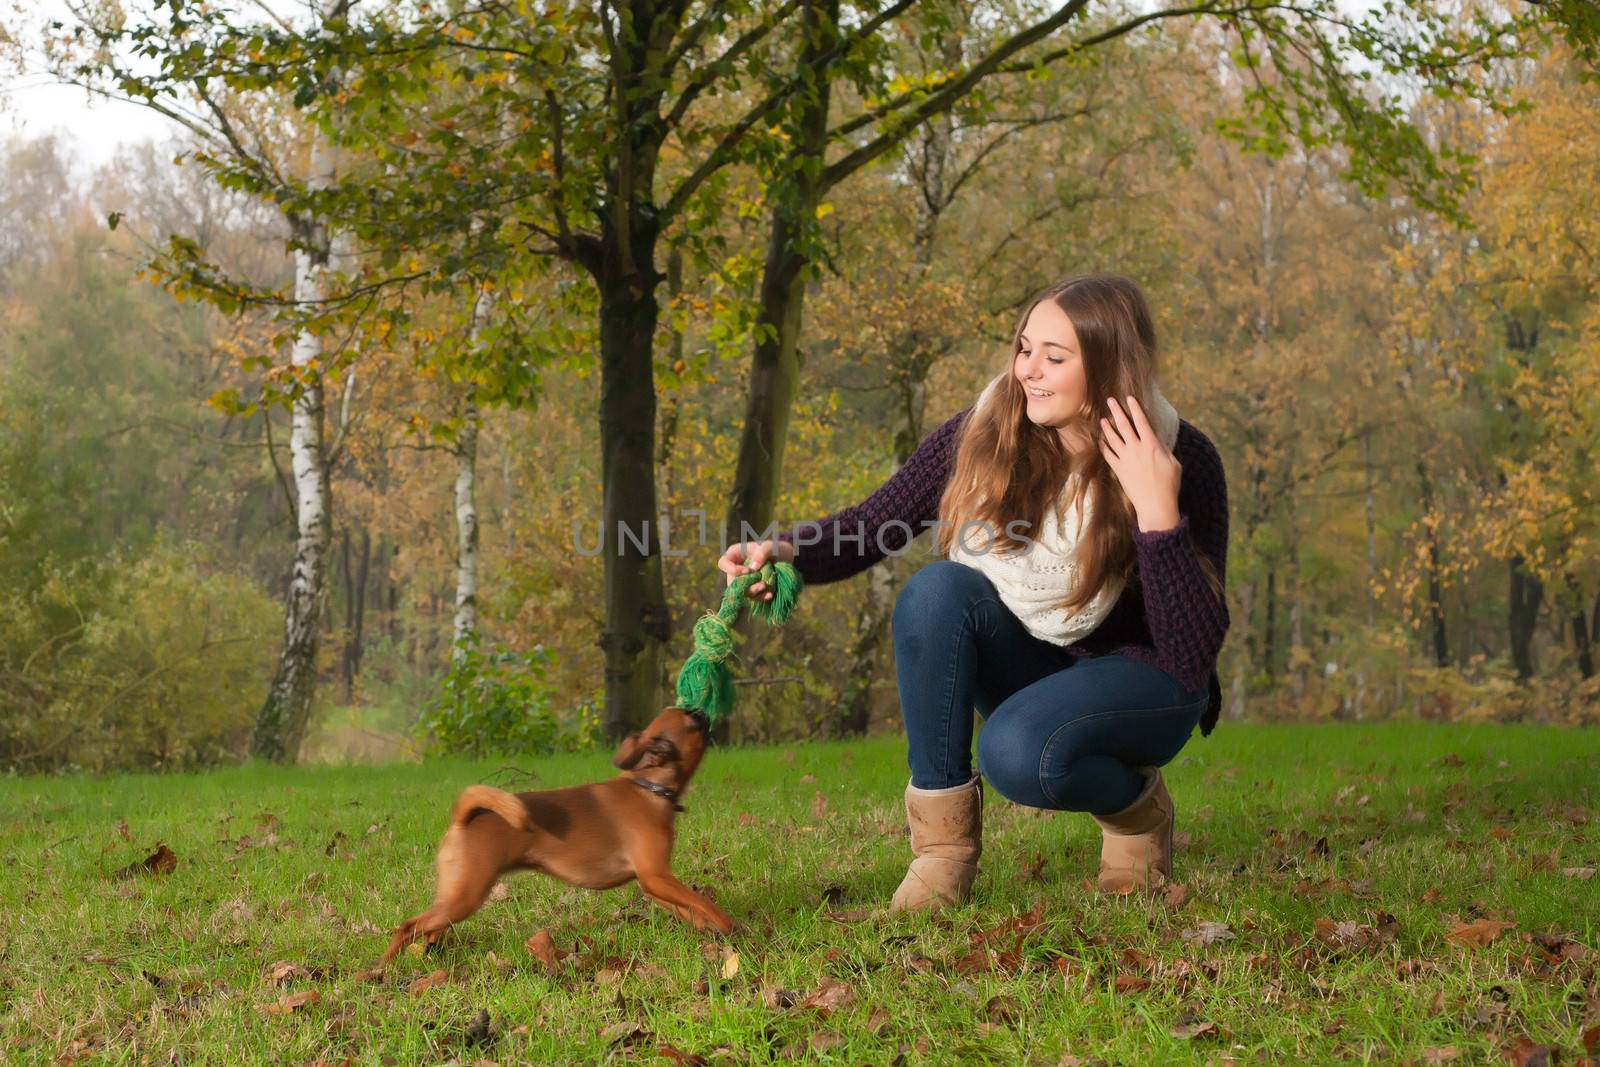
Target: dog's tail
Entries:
(487, 798)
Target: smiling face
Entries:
(1049, 365)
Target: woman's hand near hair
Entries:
(1150, 474)
(748, 557)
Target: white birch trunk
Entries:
(466, 624)
(281, 724)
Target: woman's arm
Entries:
(1187, 620)
(847, 542)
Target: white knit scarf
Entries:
(1033, 581)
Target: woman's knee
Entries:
(1009, 760)
(935, 592)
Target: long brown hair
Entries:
(1009, 470)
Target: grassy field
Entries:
(1397, 893)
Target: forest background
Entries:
(366, 343)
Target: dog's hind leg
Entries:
(468, 868)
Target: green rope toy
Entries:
(705, 683)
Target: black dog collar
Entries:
(669, 795)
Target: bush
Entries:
(498, 702)
(132, 662)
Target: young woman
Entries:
(1079, 608)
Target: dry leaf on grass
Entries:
(1478, 933)
(1578, 872)
(1208, 933)
(678, 1056)
(1002, 1010)
(1348, 934)
(543, 948)
(627, 1032)
(779, 999)
(283, 972)
(1441, 1054)
(479, 1031)
(1195, 1030)
(426, 982)
(819, 805)
(162, 861)
(1132, 983)
(289, 1003)
(1524, 1053)
(828, 997)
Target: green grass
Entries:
(176, 968)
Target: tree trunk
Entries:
(466, 450)
(346, 663)
(1526, 594)
(1436, 619)
(1269, 636)
(1581, 638)
(281, 722)
(636, 622)
(1243, 662)
(775, 356)
(775, 362)
(356, 647)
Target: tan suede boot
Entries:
(946, 841)
(1136, 842)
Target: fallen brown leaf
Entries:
(1524, 1053)
(1478, 933)
(824, 1041)
(1174, 894)
(819, 805)
(1002, 1010)
(289, 1003)
(1132, 983)
(1582, 873)
(426, 982)
(678, 1056)
(1348, 934)
(283, 972)
(877, 1021)
(162, 861)
(1442, 1054)
(543, 948)
(627, 1032)
(1208, 933)
(779, 999)
(828, 997)
(1190, 1031)
(479, 1031)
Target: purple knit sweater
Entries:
(1167, 615)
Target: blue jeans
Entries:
(1060, 731)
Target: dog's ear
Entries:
(653, 752)
(628, 752)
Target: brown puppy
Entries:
(596, 836)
